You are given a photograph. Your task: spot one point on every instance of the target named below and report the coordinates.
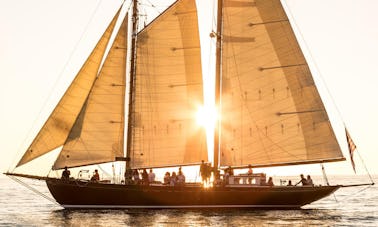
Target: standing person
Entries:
(303, 181)
(136, 176)
(145, 177)
(180, 178)
(203, 170)
(151, 177)
(66, 174)
(173, 179)
(250, 172)
(96, 176)
(209, 169)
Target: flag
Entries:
(352, 147)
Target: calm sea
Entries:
(358, 206)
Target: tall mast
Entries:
(132, 76)
(217, 81)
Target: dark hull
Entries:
(78, 194)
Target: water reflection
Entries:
(172, 217)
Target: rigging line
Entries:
(366, 169)
(57, 80)
(355, 193)
(32, 189)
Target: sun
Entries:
(206, 117)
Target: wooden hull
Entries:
(80, 194)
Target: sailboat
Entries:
(271, 113)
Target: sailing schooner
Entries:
(271, 113)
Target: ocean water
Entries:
(357, 206)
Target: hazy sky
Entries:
(42, 42)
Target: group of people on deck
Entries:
(179, 178)
(66, 175)
(304, 181)
(148, 178)
(174, 179)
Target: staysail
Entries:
(59, 124)
(272, 113)
(168, 91)
(98, 133)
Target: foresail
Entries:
(272, 113)
(57, 127)
(168, 91)
(98, 133)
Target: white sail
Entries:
(272, 113)
(168, 91)
(59, 124)
(98, 133)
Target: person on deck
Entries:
(250, 172)
(289, 184)
(136, 176)
(203, 170)
(145, 177)
(180, 178)
(96, 176)
(270, 182)
(309, 181)
(173, 179)
(303, 181)
(167, 178)
(66, 174)
(151, 176)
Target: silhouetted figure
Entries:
(180, 178)
(151, 176)
(309, 181)
(66, 174)
(250, 172)
(145, 177)
(289, 184)
(203, 171)
(128, 176)
(96, 176)
(167, 178)
(136, 177)
(270, 182)
(173, 179)
(303, 181)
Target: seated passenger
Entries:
(66, 174)
(289, 184)
(303, 181)
(167, 178)
(309, 181)
(96, 176)
(270, 182)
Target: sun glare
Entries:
(206, 117)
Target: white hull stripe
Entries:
(177, 207)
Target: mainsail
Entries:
(272, 113)
(58, 126)
(168, 91)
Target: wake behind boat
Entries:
(270, 112)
